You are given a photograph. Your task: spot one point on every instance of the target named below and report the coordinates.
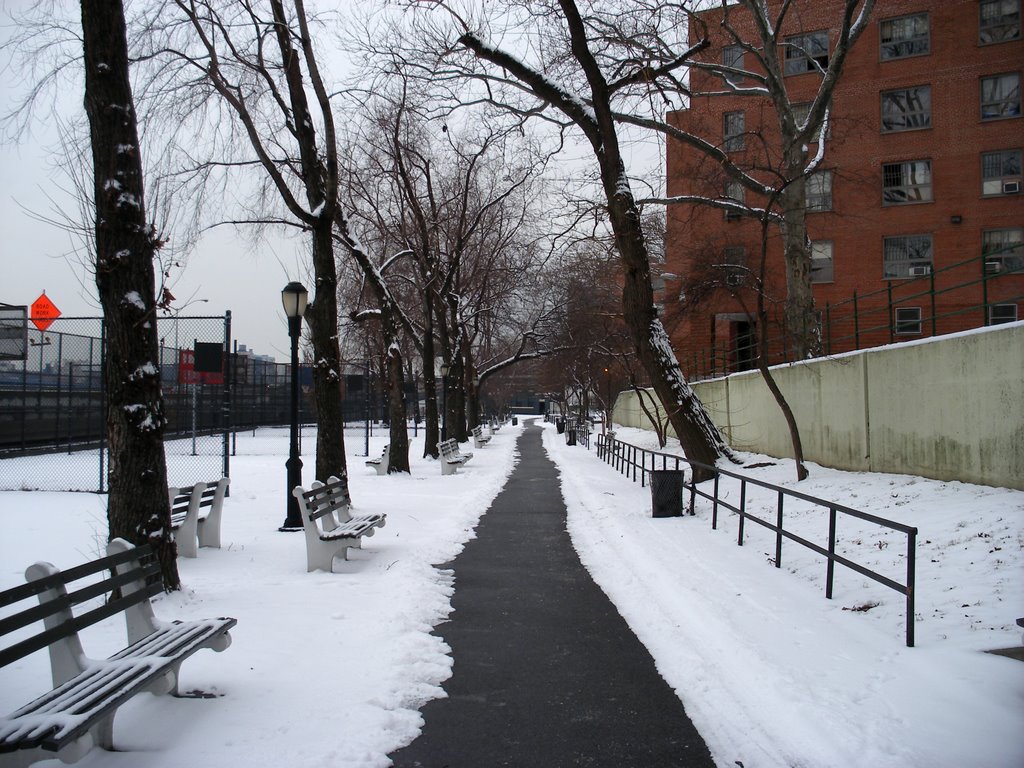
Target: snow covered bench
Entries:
(78, 713)
(195, 515)
(330, 529)
(381, 462)
(451, 458)
(479, 438)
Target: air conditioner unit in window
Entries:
(732, 216)
(1011, 187)
(734, 279)
(919, 271)
(992, 267)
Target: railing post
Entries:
(743, 509)
(830, 569)
(778, 533)
(911, 576)
(714, 508)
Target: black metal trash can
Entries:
(666, 493)
(515, 421)
(560, 425)
(570, 437)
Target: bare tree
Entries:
(247, 76)
(779, 159)
(126, 245)
(576, 82)
(453, 203)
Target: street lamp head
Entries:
(294, 297)
(444, 369)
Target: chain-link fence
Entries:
(52, 399)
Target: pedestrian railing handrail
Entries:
(639, 462)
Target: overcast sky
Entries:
(226, 272)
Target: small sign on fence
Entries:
(189, 373)
(44, 312)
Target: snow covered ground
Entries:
(329, 669)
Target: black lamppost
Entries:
(444, 401)
(294, 297)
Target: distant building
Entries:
(917, 215)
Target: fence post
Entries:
(931, 290)
(229, 372)
(778, 533)
(103, 400)
(892, 316)
(743, 509)
(911, 576)
(984, 292)
(856, 323)
(714, 505)
(830, 569)
(828, 328)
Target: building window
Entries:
(733, 191)
(1003, 250)
(734, 255)
(907, 256)
(908, 321)
(800, 113)
(999, 21)
(907, 182)
(806, 53)
(905, 36)
(818, 191)
(907, 109)
(732, 56)
(1000, 96)
(733, 128)
(1002, 313)
(1000, 172)
(821, 262)
(734, 262)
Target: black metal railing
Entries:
(637, 462)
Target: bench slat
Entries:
(65, 713)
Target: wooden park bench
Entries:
(78, 713)
(451, 458)
(479, 438)
(381, 462)
(330, 528)
(195, 515)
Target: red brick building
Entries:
(917, 215)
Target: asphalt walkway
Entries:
(546, 673)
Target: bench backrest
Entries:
(449, 447)
(179, 504)
(70, 600)
(324, 498)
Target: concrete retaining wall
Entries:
(950, 408)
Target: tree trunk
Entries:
(801, 323)
(322, 318)
(398, 453)
(698, 435)
(138, 509)
(431, 426)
